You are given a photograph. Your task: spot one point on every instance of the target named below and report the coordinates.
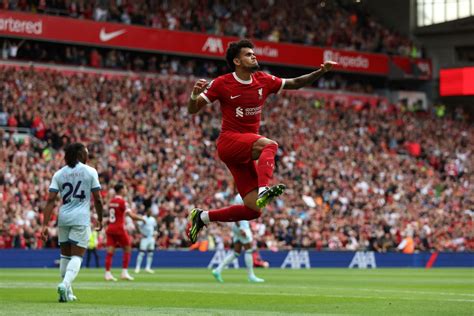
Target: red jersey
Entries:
(242, 101)
(117, 210)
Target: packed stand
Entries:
(346, 26)
(359, 177)
(123, 60)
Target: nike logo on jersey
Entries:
(105, 37)
(232, 97)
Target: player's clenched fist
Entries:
(328, 65)
(199, 86)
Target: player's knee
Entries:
(250, 201)
(254, 213)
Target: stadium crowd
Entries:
(346, 25)
(123, 60)
(359, 176)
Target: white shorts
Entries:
(77, 235)
(147, 244)
(243, 240)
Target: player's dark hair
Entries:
(72, 152)
(119, 186)
(234, 50)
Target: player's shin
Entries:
(266, 164)
(108, 261)
(72, 270)
(249, 262)
(140, 256)
(149, 259)
(233, 213)
(125, 260)
(63, 262)
(227, 260)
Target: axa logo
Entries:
(239, 112)
(213, 45)
(107, 36)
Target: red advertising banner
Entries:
(456, 82)
(58, 29)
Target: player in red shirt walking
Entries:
(242, 94)
(116, 233)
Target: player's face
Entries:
(247, 59)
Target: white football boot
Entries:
(126, 276)
(109, 276)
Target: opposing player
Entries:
(242, 94)
(117, 234)
(242, 239)
(74, 182)
(147, 242)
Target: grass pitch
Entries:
(195, 292)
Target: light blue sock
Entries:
(249, 262)
(227, 260)
(141, 254)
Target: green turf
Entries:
(195, 291)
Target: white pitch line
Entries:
(201, 291)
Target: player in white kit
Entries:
(147, 243)
(242, 238)
(74, 182)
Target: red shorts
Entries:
(118, 239)
(235, 150)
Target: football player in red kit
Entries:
(117, 234)
(242, 94)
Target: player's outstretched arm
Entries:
(48, 210)
(196, 102)
(305, 80)
(99, 208)
(135, 216)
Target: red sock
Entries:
(232, 214)
(126, 260)
(266, 164)
(108, 261)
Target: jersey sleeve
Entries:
(95, 185)
(274, 84)
(212, 91)
(54, 186)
